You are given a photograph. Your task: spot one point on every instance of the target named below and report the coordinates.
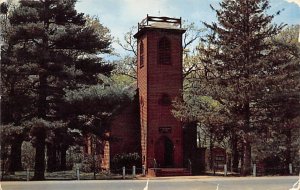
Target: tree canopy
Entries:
(241, 63)
(50, 50)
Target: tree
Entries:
(243, 60)
(126, 66)
(91, 109)
(281, 102)
(16, 101)
(238, 61)
(55, 48)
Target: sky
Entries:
(120, 15)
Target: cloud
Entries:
(120, 15)
(294, 1)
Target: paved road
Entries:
(192, 183)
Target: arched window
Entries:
(164, 51)
(142, 101)
(141, 54)
(165, 99)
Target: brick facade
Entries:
(161, 133)
(146, 125)
(125, 131)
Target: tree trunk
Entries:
(42, 101)
(51, 161)
(247, 144)
(235, 153)
(288, 159)
(15, 155)
(242, 159)
(39, 168)
(63, 158)
(247, 159)
(211, 162)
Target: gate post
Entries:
(290, 168)
(124, 172)
(27, 174)
(225, 170)
(254, 170)
(77, 172)
(143, 170)
(133, 171)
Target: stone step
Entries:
(164, 172)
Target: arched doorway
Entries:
(164, 152)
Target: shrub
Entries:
(126, 159)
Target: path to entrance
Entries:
(176, 183)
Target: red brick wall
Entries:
(153, 80)
(143, 89)
(125, 131)
(105, 164)
(102, 151)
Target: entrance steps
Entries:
(165, 172)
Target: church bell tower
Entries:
(159, 80)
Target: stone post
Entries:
(254, 170)
(124, 172)
(133, 171)
(27, 174)
(77, 172)
(225, 170)
(290, 168)
(143, 170)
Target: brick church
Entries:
(146, 125)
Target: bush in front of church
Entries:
(127, 160)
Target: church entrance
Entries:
(164, 152)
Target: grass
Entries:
(64, 175)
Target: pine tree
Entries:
(281, 102)
(239, 58)
(55, 48)
(16, 101)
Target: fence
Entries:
(75, 174)
(258, 170)
(130, 173)
(279, 170)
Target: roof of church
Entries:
(160, 22)
(167, 23)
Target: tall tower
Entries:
(159, 73)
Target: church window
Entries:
(141, 54)
(164, 51)
(141, 101)
(165, 100)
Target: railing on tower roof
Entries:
(146, 22)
